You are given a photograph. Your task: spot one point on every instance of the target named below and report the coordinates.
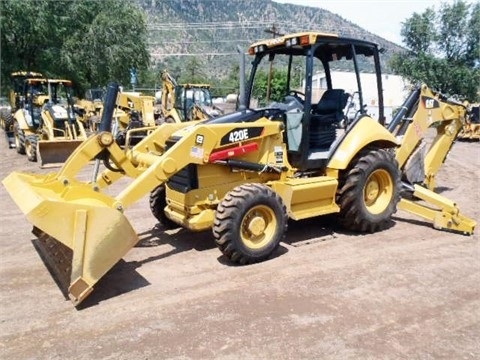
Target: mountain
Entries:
(211, 30)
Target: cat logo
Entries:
(430, 103)
(199, 139)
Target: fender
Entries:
(366, 131)
(23, 122)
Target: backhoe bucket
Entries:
(80, 231)
(55, 153)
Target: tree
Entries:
(278, 85)
(90, 42)
(443, 49)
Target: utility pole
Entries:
(274, 31)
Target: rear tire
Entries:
(19, 138)
(249, 223)
(369, 191)
(8, 120)
(158, 202)
(31, 147)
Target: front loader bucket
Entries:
(53, 153)
(80, 231)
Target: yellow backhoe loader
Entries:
(45, 127)
(186, 102)
(243, 175)
(16, 98)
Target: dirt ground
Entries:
(410, 292)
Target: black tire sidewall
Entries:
(32, 140)
(247, 197)
(354, 214)
(158, 202)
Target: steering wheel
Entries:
(300, 96)
(297, 94)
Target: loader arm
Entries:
(88, 225)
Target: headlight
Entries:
(259, 48)
(291, 42)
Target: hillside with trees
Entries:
(93, 42)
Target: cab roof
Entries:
(50, 81)
(334, 45)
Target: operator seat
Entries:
(325, 116)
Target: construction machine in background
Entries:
(242, 175)
(134, 117)
(16, 99)
(45, 126)
(89, 108)
(471, 130)
(186, 102)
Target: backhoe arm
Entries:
(427, 109)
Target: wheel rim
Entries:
(258, 227)
(378, 191)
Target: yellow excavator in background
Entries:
(134, 117)
(186, 102)
(242, 175)
(471, 130)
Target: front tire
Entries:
(369, 191)
(19, 138)
(158, 202)
(31, 147)
(249, 223)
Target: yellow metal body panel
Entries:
(367, 131)
(22, 122)
(306, 198)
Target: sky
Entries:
(381, 17)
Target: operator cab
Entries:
(319, 82)
(35, 95)
(60, 105)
